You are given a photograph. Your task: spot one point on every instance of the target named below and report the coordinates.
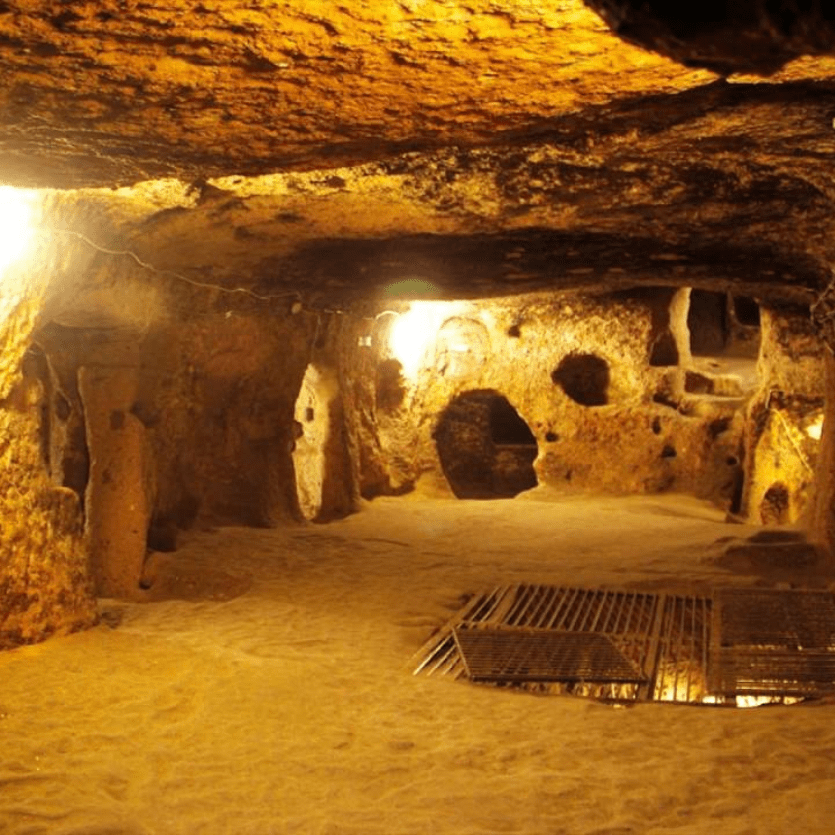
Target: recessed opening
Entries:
(696, 383)
(584, 378)
(708, 322)
(390, 385)
(774, 507)
(747, 311)
(506, 427)
(485, 448)
(664, 351)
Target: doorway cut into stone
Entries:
(485, 448)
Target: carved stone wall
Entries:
(577, 370)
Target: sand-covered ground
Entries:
(291, 708)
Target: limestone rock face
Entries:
(598, 406)
(244, 197)
(785, 419)
(44, 579)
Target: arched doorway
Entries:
(486, 449)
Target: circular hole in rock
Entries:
(668, 451)
(551, 437)
(584, 378)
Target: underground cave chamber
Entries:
(133, 427)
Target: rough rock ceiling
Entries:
(487, 146)
(113, 92)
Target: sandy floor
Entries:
(291, 708)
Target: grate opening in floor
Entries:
(739, 647)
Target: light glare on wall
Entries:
(16, 230)
(813, 430)
(413, 332)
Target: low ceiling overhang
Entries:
(494, 147)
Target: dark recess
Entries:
(707, 320)
(485, 448)
(747, 311)
(584, 378)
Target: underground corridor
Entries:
(417, 416)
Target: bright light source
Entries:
(15, 226)
(414, 331)
(813, 430)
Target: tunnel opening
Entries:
(721, 324)
(725, 334)
(708, 322)
(485, 447)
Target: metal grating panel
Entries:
(625, 646)
(785, 619)
(502, 654)
(683, 630)
(773, 642)
(752, 672)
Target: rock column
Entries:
(118, 502)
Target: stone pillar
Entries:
(117, 501)
(823, 516)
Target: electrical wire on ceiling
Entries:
(244, 291)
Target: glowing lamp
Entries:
(409, 337)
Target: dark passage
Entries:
(486, 450)
(707, 320)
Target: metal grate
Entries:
(627, 646)
(500, 654)
(785, 619)
(773, 642)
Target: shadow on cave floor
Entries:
(542, 535)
